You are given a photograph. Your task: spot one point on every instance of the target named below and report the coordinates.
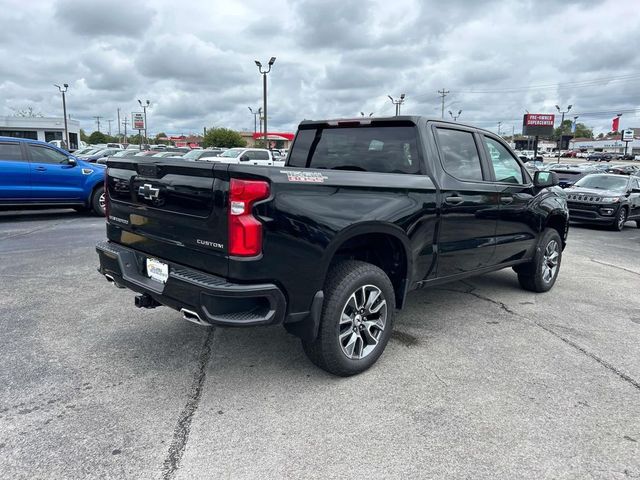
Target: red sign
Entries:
(539, 120)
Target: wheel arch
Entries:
(382, 244)
(558, 220)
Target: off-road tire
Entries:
(530, 275)
(95, 202)
(345, 278)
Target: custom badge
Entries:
(304, 176)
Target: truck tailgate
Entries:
(156, 206)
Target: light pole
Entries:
(264, 94)
(370, 115)
(255, 114)
(63, 90)
(561, 127)
(397, 103)
(499, 125)
(144, 106)
(455, 117)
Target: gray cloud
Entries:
(104, 17)
(334, 58)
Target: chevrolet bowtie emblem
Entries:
(148, 191)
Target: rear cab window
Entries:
(365, 148)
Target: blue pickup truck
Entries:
(40, 174)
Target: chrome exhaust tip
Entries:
(193, 317)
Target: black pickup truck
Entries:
(329, 245)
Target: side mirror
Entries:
(542, 179)
(72, 161)
(635, 190)
(244, 158)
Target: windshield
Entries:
(231, 153)
(603, 182)
(193, 154)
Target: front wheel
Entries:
(541, 273)
(621, 219)
(98, 202)
(357, 319)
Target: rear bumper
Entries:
(215, 300)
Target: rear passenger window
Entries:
(259, 155)
(459, 154)
(10, 152)
(386, 149)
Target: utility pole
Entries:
(63, 90)
(561, 127)
(110, 120)
(499, 124)
(264, 94)
(125, 122)
(119, 138)
(443, 93)
(397, 103)
(98, 117)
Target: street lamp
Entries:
(455, 117)
(370, 115)
(63, 90)
(264, 94)
(144, 106)
(397, 103)
(561, 127)
(256, 115)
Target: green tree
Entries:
(223, 137)
(159, 136)
(135, 139)
(98, 137)
(582, 131)
(83, 136)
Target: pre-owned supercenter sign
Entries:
(137, 120)
(538, 124)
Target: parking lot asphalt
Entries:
(480, 380)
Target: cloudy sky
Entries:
(335, 58)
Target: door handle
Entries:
(506, 200)
(454, 200)
(41, 169)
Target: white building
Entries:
(607, 146)
(40, 128)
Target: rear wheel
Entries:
(98, 202)
(541, 273)
(357, 319)
(621, 219)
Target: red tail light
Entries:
(245, 231)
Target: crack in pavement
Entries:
(547, 329)
(183, 426)
(37, 229)
(601, 361)
(614, 266)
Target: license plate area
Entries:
(157, 270)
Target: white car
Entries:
(250, 156)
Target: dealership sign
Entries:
(137, 120)
(538, 124)
(627, 135)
